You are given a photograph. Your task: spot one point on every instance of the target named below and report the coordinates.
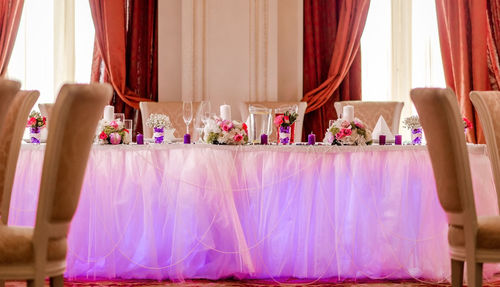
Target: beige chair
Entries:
(8, 90)
(174, 112)
(46, 110)
(12, 135)
(275, 105)
(369, 112)
(487, 105)
(35, 253)
(472, 239)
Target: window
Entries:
(46, 53)
(400, 51)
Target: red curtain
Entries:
(332, 60)
(126, 52)
(462, 32)
(10, 16)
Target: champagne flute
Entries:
(187, 113)
(205, 111)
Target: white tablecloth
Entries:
(199, 211)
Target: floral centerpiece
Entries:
(159, 122)
(467, 124)
(413, 124)
(284, 123)
(112, 132)
(343, 132)
(35, 123)
(219, 131)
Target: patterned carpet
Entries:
(251, 283)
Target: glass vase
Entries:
(35, 135)
(416, 136)
(284, 135)
(158, 135)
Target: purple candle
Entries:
(187, 138)
(381, 139)
(311, 139)
(263, 139)
(398, 139)
(140, 139)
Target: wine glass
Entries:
(187, 113)
(205, 111)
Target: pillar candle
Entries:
(398, 139)
(139, 139)
(348, 113)
(263, 139)
(225, 112)
(311, 139)
(109, 113)
(381, 139)
(187, 138)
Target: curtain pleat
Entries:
(332, 58)
(10, 17)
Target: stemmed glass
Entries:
(205, 111)
(187, 114)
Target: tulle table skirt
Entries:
(200, 211)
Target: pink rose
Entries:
(345, 124)
(359, 125)
(347, 132)
(237, 137)
(113, 124)
(278, 120)
(31, 122)
(103, 136)
(227, 125)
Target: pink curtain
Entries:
(10, 16)
(462, 32)
(332, 60)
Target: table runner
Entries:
(200, 211)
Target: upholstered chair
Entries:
(173, 110)
(12, 135)
(302, 106)
(39, 252)
(487, 105)
(8, 90)
(369, 112)
(46, 110)
(472, 239)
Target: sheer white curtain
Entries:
(400, 51)
(54, 45)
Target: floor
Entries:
(253, 283)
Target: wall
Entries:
(230, 51)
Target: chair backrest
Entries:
(8, 90)
(487, 105)
(440, 118)
(369, 112)
(275, 105)
(172, 109)
(46, 110)
(76, 112)
(12, 134)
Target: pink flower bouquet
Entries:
(224, 132)
(343, 132)
(112, 132)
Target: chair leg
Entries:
(457, 273)
(474, 274)
(37, 282)
(57, 281)
(2, 283)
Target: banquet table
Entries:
(176, 211)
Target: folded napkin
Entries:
(381, 128)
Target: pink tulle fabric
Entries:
(199, 211)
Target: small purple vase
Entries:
(416, 136)
(35, 135)
(284, 135)
(158, 135)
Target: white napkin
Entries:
(381, 128)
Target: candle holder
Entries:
(158, 134)
(187, 139)
(35, 135)
(398, 139)
(416, 136)
(140, 139)
(381, 139)
(284, 135)
(263, 139)
(311, 139)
